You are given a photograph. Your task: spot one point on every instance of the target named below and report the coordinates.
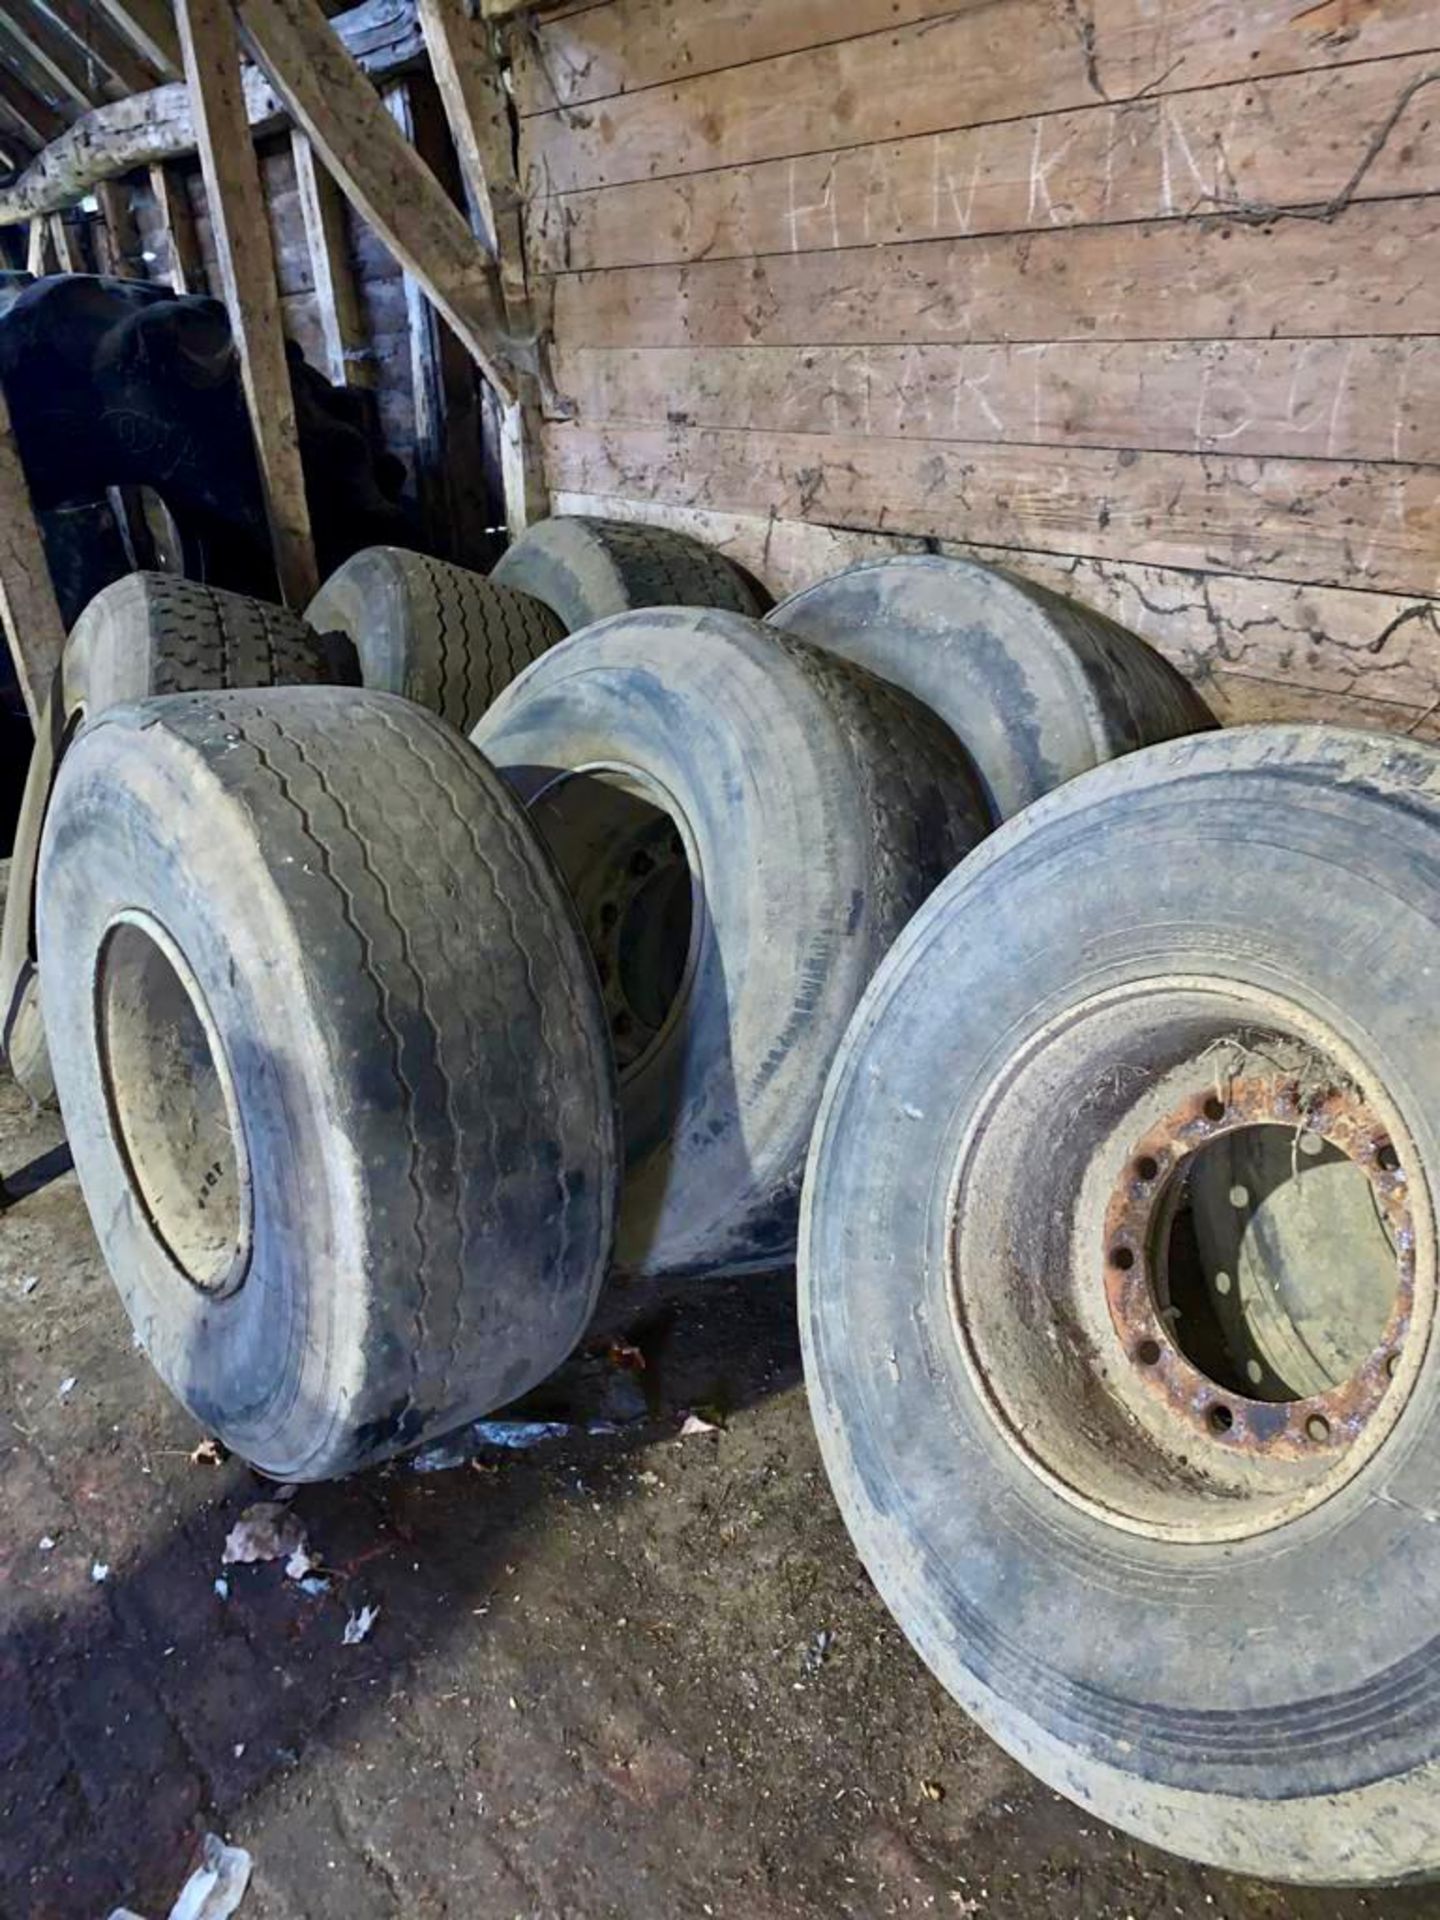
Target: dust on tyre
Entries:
(1037, 687)
(745, 823)
(332, 1066)
(150, 633)
(1187, 1599)
(439, 634)
(587, 569)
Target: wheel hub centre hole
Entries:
(169, 1105)
(623, 856)
(1273, 1269)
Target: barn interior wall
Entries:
(1136, 297)
(400, 340)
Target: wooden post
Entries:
(121, 234)
(65, 239)
(29, 611)
(467, 72)
(246, 254)
(449, 454)
(38, 251)
(322, 207)
(183, 262)
(329, 97)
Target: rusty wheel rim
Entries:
(1133, 1237)
(1056, 1290)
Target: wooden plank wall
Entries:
(1137, 297)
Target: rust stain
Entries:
(1296, 1429)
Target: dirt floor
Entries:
(630, 1674)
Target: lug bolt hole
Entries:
(1146, 1168)
(1392, 1364)
(1220, 1419)
(1317, 1427)
(1213, 1109)
(1387, 1159)
(1148, 1352)
(1123, 1258)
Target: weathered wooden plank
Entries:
(247, 273)
(1259, 649)
(1348, 399)
(462, 56)
(53, 55)
(1165, 280)
(382, 175)
(1300, 141)
(28, 610)
(1242, 700)
(1322, 522)
(149, 26)
(323, 211)
(970, 66)
(184, 265)
(1131, 46)
(96, 43)
(27, 111)
(157, 125)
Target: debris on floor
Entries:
(513, 1435)
(357, 1627)
(694, 1424)
(268, 1531)
(214, 1890)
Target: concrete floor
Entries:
(632, 1675)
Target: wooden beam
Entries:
(16, 134)
(157, 125)
(328, 96)
(467, 72)
(246, 254)
(53, 55)
(322, 208)
(117, 215)
(36, 116)
(95, 43)
(149, 26)
(183, 261)
(29, 611)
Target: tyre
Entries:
(1037, 687)
(1193, 1602)
(441, 635)
(745, 824)
(149, 633)
(332, 1064)
(587, 569)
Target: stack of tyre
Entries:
(380, 1046)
